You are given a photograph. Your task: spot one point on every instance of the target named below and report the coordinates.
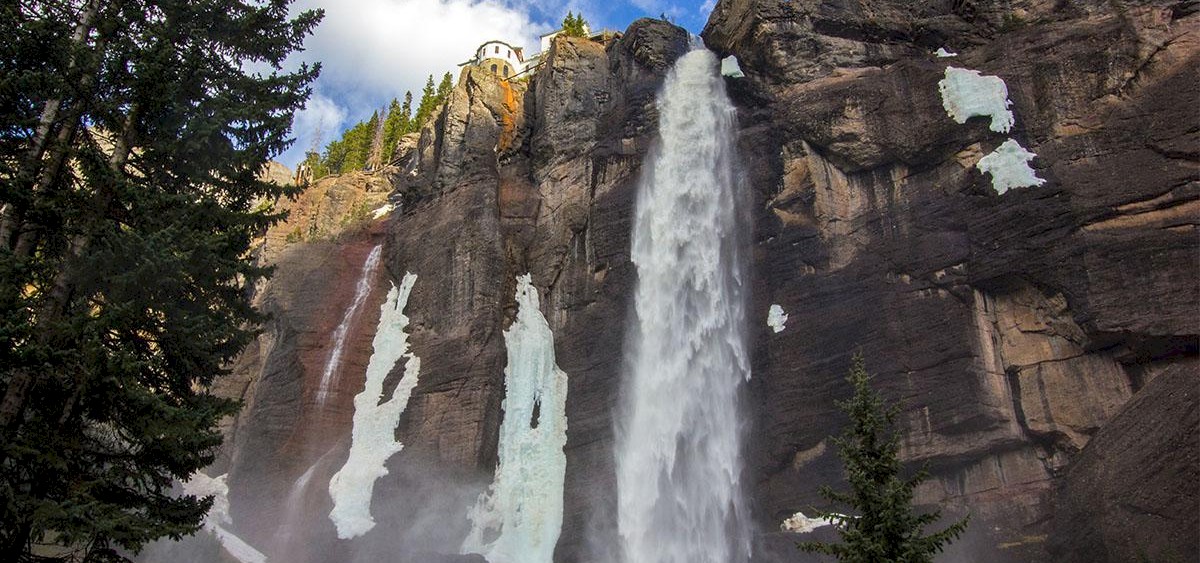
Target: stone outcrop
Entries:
(1030, 336)
(1131, 494)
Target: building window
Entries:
(510, 54)
(506, 71)
(497, 49)
(493, 69)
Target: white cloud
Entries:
(317, 124)
(374, 50)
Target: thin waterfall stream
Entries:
(678, 444)
(361, 290)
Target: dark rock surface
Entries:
(1133, 493)
(1015, 328)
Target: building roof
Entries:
(518, 50)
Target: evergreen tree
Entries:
(395, 127)
(444, 88)
(427, 104)
(131, 140)
(882, 525)
(574, 25)
(406, 112)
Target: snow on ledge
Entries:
(383, 211)
(801, 524)
(776, 318)
(1009, 167)
(519, 518)
(731, 68)
(943, 53)
(373, 437)
(201, 485)
(966, 94)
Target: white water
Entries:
(343, 330)
(519, 517)
(678, 436)
(373, 439)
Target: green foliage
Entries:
(882, 524)
(131, 141)
(428, 102)
(574, 25)
(354, 149)
(397, 124)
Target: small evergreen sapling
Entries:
(882, 525)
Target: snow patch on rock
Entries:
(382, 211)
(519, 518)
(776, 318)
(966, 94)
(201, 485)
(373, 437)
(801, 524)
(943, 53)
(1009, 167)
(731, 68)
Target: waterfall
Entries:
(678, 444)
(343, 329)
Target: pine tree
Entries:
(882, 524)
(574, 25)
(444, 88)
(427, 104)
(130, 149)
(393, 128)
(375, 157)
(406, 111)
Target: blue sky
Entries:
(375, 50)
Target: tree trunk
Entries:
(11, 215)
(58, 300)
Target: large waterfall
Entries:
(678, 450)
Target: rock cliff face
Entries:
(1031, 335)
(1014, 326)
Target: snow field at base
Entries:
(519, 518)
(966, 94)
(201, 485)
(373, 436)
(1009, 167)
(776, 318)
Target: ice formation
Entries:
(731, 68)
(343, 329)
(201, 485)
(373, 439)
(776, 318)
(678, 446)
(966, 94)
(943, 53)
(801, 524)
(519, 517)
(1009, 167)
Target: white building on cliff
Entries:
(499, 57)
